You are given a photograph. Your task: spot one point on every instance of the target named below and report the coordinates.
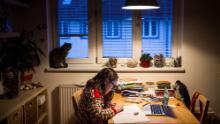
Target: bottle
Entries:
(165, 97)
(177, 93)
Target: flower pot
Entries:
(145, 64)
(26, 77)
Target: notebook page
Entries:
(128, 116)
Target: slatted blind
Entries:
(116, 30)
(73, 26)
(163, 24)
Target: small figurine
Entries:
(169, 62)
(112, 63)
(178, 62)
(158, 60)
(132, 63)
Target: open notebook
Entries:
(130, 114)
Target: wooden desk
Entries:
(181, 114)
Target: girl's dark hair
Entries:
(104, 75)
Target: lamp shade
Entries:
(140, 5)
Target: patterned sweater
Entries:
(93, 107)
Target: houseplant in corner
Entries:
(17, 56)
(145, 60)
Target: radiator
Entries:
(65, 103)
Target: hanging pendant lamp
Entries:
(140, 5)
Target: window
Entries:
(112, 29)
(150, 29)
(101, 29)
(116, 31)
(64, 27)
(72, 16)
(157, 29)
(84, 30)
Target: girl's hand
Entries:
(112, 104)
(118, 108)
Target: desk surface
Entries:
(181, 114)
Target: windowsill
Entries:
(121, 69)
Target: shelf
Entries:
(10, 105)
(17, 3)
(9, 34)
(96, 68)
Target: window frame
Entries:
(65, 27)
(100, 58)
(177, 33)
(91, 33)
(113, 24)
(150, 35)
(95, 38)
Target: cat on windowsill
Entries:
(57, 57)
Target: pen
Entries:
(146, 103)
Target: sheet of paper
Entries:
(128, 115)
(149, 92)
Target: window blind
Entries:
(73, 26)
(161, 20)
(116, 30)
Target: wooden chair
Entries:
(193, 101)
(76, 98)
(203, 106)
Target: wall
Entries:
(201, 56)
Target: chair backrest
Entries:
(75, 98)
(193, 101)
(203, 106)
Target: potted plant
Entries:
(19, 55)
(145, 60)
